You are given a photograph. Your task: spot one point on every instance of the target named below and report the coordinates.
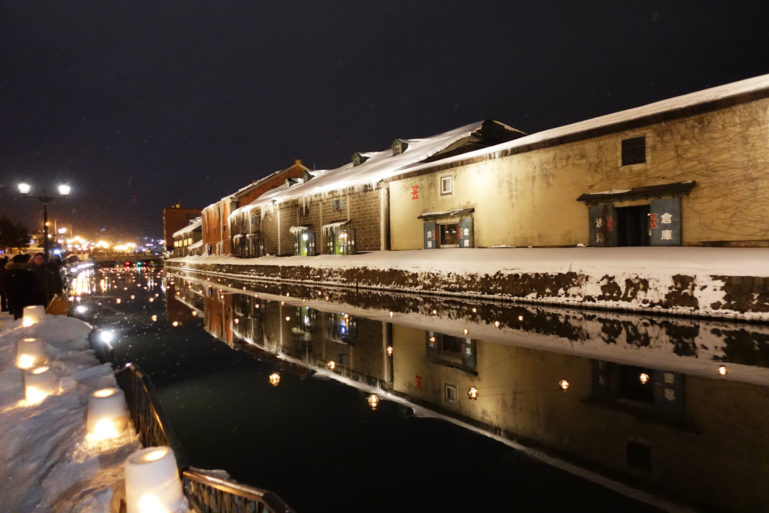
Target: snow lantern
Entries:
(107, 415)
(30, 352)
(152, 482)
(39, 383)
(32, 315)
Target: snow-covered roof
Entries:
(336, 224)
(379, 166)
(195, 223)
(298, 229)
(670, 105)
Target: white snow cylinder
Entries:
(39, 383)
(152, 482)
(32, 315)
(107, 414)
(30, 352)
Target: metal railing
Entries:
(205, 493)
(209, 494)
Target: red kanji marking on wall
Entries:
(652, 221)
(414, 192)
(610, 223)
(419, 382)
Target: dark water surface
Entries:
(645, 406)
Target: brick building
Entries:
(216, 228)
(174, 219)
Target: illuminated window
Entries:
(447, 184)
(338, 204)
(634, 151)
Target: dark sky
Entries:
(142, 104)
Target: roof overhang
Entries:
(335, 224)
(447, 213)
(649, 191)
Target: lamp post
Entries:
(64, 190)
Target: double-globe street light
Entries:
(64, 190)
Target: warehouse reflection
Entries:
(644, 400)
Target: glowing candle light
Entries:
(497, 324)
(107, 414)
(373, 401)
(274, 379)
(722, 370)
(32, 315)
(30, 352)
(389, 350)
(643, 378)
(152, 482)
(331, 365)
(39, 383)
(564, 384)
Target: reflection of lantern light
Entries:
(154, 318)
(520, 318)
(195, 314)
(117, 300)
(274, 379)
(175, 324)
(39, 383)
(644, 378)
(30, 352)
(32, 315)
(331, 365)
(133, 296)
(497, 324)
(151, 300)
(107, 415)
(472, 393)
(373, 401)
(432, 340)
(389, 350)
(288, 318)
(722, 370)
(475, 310)
(466, 331)
(435, 312)
(564, 385)
(152, 482)
(391, 314)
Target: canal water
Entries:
(360, 401)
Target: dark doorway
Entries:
(633, 226)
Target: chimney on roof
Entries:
(297, 162)
(398, 146)
(358, 159)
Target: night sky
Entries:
(143, 104)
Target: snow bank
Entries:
(710, 282)
(46, 465)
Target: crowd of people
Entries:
(29, 280)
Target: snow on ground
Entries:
(588, 260)
(46, 464)
(596, 268)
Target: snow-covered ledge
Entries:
(700, 281)
(46, 462)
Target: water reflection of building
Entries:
(694, 437)
(181, 301)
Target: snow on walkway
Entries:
(588, 260)
(46, 464)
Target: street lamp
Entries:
(63, 189)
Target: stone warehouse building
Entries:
(345, 210)
(691, 170)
